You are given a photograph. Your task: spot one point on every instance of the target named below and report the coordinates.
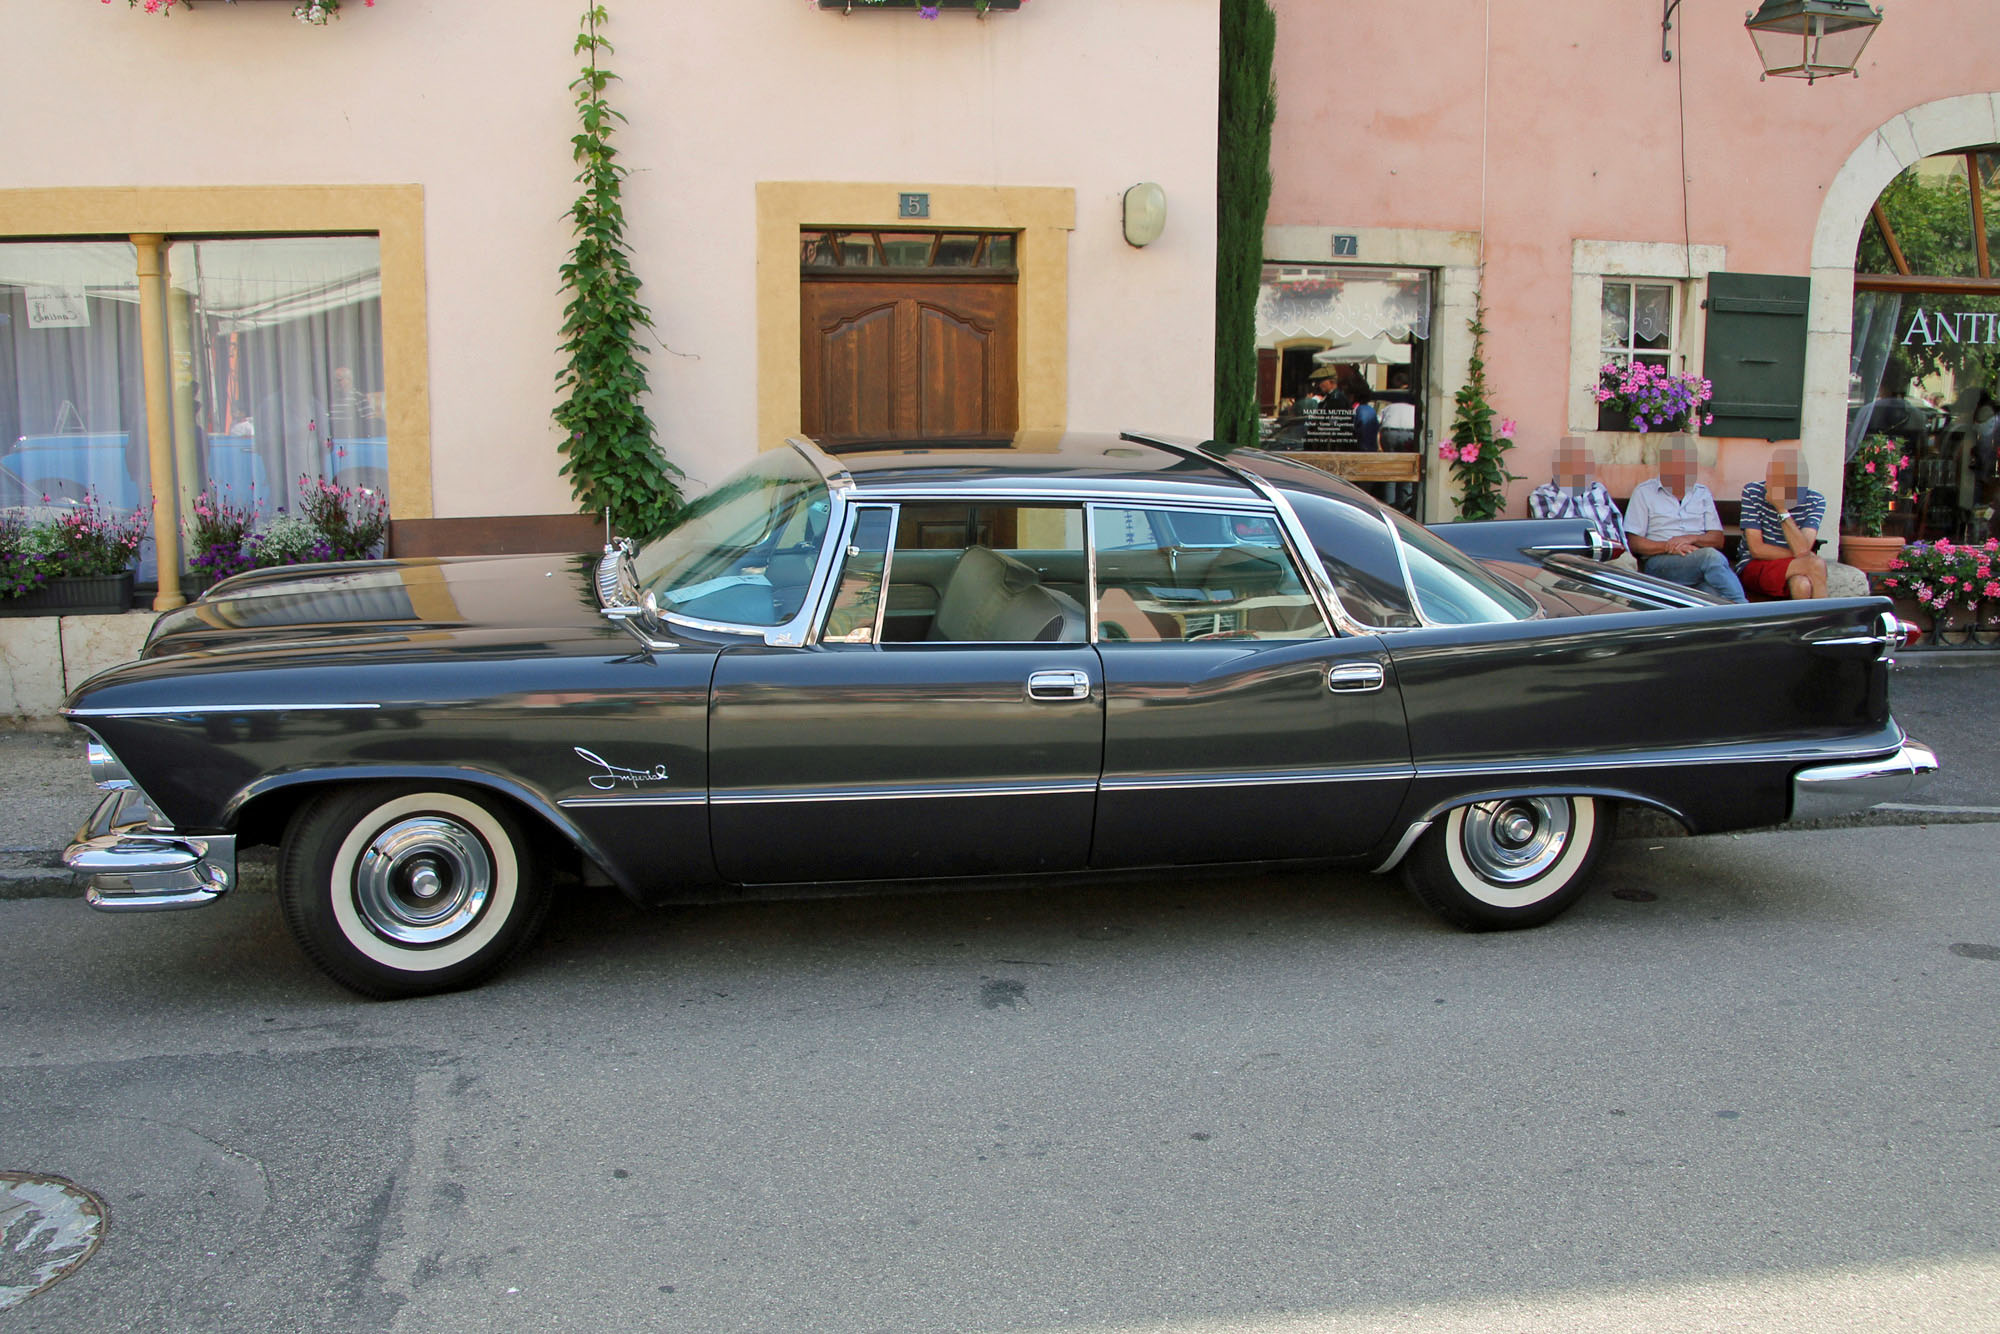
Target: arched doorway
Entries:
(1951, 125)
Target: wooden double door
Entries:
(908, 358)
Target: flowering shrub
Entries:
(351, 519)
(1874, 479)
(84, 540)
(218, 536)
(1944, 576)
(1476, 451)
(89, 540)
(288, 540)
(1654, 397)
(25, 560)
(316, 12)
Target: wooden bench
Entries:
(1362, 465)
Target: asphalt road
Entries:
(1748, 1083)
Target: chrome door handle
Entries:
(1062, 683)
(1353, 677)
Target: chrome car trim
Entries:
(825, 464)
(1530, 765)
(1621, 580)
(105, 770)
(137, 869)
(1274, 778)
(1054, 787)
(662, 799)
(1839, 789)
(1089, 571)
(1403, 846)
(195, 710)
(1058, 494)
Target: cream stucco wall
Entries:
(720, 97)
(1537, 125)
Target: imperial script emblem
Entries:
(613, 776)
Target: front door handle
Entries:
(1059, 683)
(1353, 677)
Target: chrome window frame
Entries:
(818, 632)
(1237, 507)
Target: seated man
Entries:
(1673, 529)
(1781, 519)
(1576, 494)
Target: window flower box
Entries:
(929, 8)
(74, 595)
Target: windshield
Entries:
(744, 553)
(1451, 587)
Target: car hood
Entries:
(384, 602)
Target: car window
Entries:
(970, 573)
(1358, 553)
(1173, 576)
(1451, 587)
(744, 553)
(856, 614)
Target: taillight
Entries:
(1911, 632)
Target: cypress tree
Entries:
(1246, 107)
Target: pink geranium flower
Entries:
(1448, 451)
(1469, 452)
(1506, 428)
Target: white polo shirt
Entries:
(1657, 513)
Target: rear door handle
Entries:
(1059, 683)
(1354, 677)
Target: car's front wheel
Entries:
(1502, 865)
(399, 890)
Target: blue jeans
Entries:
(1706, 569)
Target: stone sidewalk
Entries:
(1949, 699)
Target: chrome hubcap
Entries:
(423, 880)
(1510, 841)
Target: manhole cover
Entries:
(48, 1226)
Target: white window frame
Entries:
(1652, 263)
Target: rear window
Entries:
(1451, 587)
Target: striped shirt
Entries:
(1550, 501)
(1808, 510)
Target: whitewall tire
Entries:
(398, 890)
(1516, 862)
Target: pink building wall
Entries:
(1387, 118)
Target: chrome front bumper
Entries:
(133, 867)
(1840, 789)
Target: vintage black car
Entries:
(869, 662)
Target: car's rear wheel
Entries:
(1502, 865)
(400, 890)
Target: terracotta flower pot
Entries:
(1870, 555)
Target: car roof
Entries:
(1152, 465)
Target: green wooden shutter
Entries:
(1756, 356)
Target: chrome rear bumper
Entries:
(132, 867)
(1839, 789)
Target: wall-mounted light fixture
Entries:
(1145, 213)
(1812, 39)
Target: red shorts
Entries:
(1766, 577)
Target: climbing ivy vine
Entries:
(610, 453)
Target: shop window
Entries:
(276, 364)
(1374, 322)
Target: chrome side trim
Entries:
(663, 799)
(1705, 755)
(1838, 789)
(1167, 782)
(902, 793)
(187, 710)
(1403, 846)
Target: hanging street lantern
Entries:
(1812, 39)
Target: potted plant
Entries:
(1874, 478)
(77, 563)
(316, 12)
(1945, 580)
(218, 539)
(1645, 396)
